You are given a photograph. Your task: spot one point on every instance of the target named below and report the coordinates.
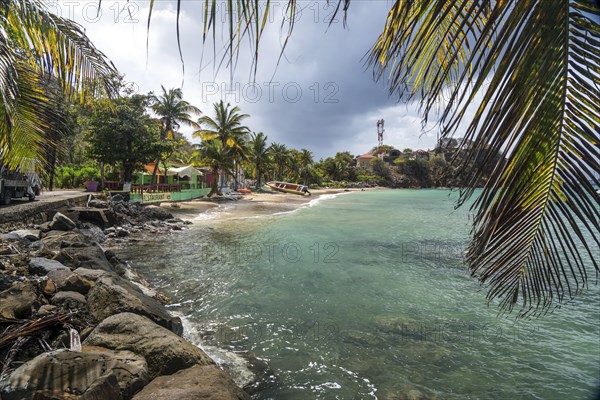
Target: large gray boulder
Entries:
(19, 301)
(165, 352)
(77, 373)
(114, 295)
(202, 382)
(42, 266)
(61, 222)
(93, 232)
(90, 256)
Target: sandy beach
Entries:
(252, 204)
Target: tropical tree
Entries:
(36, 45)
(239, 154)
(172, 112)
(280, 156)
(213, 154)
(226, 127)
(124, 134)
(306, 162)
(259, 156)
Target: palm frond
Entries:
(243, 19)
(60, 47)
(536, 65)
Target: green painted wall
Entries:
(185, 194)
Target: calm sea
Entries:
(365, 295)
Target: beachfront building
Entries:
(364, 161)
(174, 182)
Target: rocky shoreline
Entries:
(77, 323)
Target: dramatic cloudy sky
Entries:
(321, 97)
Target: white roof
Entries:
(187, 170)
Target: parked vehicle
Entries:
(15, 185)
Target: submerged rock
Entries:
(92, 371)
(165, 352)
(61, 222)
(202, 382)
(114, 295)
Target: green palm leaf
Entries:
(36, 46)
(537, 222)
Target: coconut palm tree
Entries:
(36, 47)
(172, 111)
(280, 156)
(239, 155)
(306, 162)
(213, 154)
(259, 155)
(226, 127)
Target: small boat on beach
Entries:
(287, 187)
(244, 191)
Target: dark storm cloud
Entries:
(322, 97)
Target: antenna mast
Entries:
(380, 131)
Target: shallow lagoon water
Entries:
(365, 295)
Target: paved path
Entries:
(20, 209)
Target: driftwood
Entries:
(29, 328)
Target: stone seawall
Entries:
(42, 209)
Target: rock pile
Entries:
(75, 328)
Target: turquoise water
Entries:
(365, 295)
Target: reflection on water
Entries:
(365, 296)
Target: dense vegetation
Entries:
(115, 141)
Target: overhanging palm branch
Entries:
(244, 20)
(536, 65)
(35, 44)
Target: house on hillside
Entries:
(364, 161)
(421, 154)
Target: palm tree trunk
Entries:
(214, 189)
(153, 181)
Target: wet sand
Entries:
(249, 205)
